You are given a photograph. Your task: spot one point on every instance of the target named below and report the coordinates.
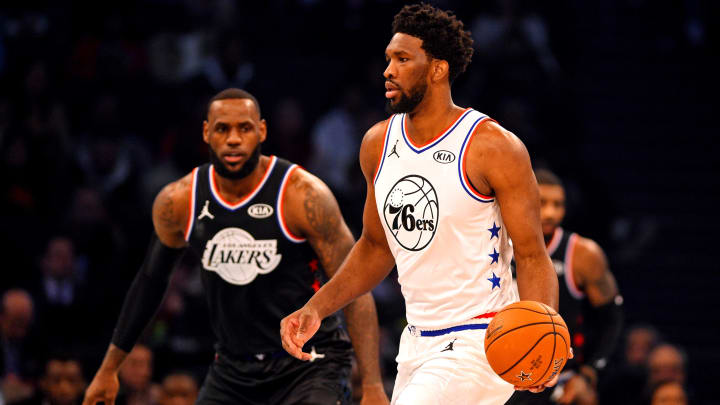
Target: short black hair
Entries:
(233, 93)
(442, 34)
(546, 177)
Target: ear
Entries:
(263, 130)
(439, 70)
(206, 133)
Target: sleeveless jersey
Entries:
(254, 270)
(571, 300)
(449, 241)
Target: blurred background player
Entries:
(590, 302)
(62, 382)
(447, 187)
(178, 389)
(135, 374)
(264, 231)
(18, 348)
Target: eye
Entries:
(221, 128)
(403, 59)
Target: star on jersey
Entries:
(205, 212)
(315, 355)
(494, 231)
(522, 376)
(495, 255)
(495, 280)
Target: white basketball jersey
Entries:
(449, 241)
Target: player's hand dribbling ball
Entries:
(527, 343)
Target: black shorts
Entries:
(529, 398)
(280, 379)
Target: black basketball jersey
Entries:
(572, 300)
(254, 270)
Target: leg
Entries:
(430, 373)
(323, 382)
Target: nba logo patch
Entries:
(411, 212)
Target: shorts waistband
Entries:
(439, 332)
(252, 357)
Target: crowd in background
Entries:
(99, 110)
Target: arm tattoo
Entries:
(166, 209)
(605, 285)
(319, 214)
(325, 221)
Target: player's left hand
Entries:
(540, 388)
(374, 394)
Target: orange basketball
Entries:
(527, 343)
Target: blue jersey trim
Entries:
(458, 328)
(462, 158)
(423, 149)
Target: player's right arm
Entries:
(170, 216)
(367, 264)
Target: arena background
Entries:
(99, 109)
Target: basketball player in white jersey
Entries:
(447, 188)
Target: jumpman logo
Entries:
(394, 150)
(206, 211)
(450, 347)
(315, 355)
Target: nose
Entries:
(390, 72)
(234, 137)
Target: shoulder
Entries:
(302, 181)
(371, 146)
(176, 191)
(490, 139)
(588, 257)
(309, 205)
(170, 209)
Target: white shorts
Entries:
(447, 369)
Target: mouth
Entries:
(233, 158)
(391, 90)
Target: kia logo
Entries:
(444, 156)
(260, 211)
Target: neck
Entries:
(234, 190)
(434, 114)
(548, 238)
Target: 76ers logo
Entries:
(411, 212)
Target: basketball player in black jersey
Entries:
(590, 302)
(263, 230)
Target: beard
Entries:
(243, 172)
(406, 104)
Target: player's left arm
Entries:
(498, 164)
(313, 212)
(592, 275)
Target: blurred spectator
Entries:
(669, 393)
(178, 389)
(17, 360)
(177, 335)
(61, 294)
(640, 341)
(666, 363)
(135, 376)
(625, 382)
(287, 124)
(335, 142)
(230, 66)
(515, 33)
(62, 383)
